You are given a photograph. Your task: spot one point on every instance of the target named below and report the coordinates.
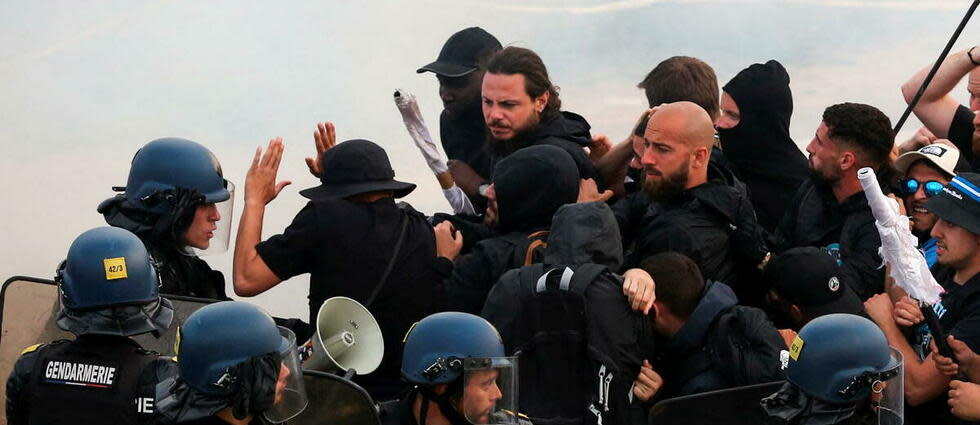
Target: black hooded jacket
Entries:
(759, 148)
(530, 185)
(846, 230)
(181, 272)
(568, 131)
(585, 238)
(712, 223)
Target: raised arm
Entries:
(251, 275)
(937, 105)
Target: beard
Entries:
(523, 137)
(669, 186)
(821, 179)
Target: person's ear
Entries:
(701, 157)
(541, 102)
(847, 161)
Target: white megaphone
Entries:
(347, 337)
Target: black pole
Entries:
(935, 67)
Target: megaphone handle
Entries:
(350, 374)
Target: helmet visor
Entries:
(212, 223)
(889, 394)
(490, 391)
(290, 393)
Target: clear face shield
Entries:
(290, 393)
(889, 394)
(210, 230)
(489, 391)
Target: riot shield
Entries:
(28, 307)
(335, 401)
(731, 406)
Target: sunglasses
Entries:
(931, 188)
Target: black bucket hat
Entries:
(959, 202)
(354, 167)
(460, 54)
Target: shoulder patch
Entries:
(31, 349)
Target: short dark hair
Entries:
(863, 128)
(683, 78)
(517, 60)
(679, 281)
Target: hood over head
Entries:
(585, 233)
(760, 143)
(531, 184)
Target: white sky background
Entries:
(83, 89)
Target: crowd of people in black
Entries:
(700, 252)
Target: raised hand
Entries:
(324, 138)
(260, 182)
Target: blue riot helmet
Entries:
(109, 286)
(171, 177)
(232, 354)
(464, 352)
(845, 358)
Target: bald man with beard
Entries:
(688, 206)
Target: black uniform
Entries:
(846, 230)
(346, 246)
(465, 138)
(95, 379)
(181, 272)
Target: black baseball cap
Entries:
(354, 167)
(959, 202)
(462, 52)
(810, 278)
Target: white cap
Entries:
(941, 155)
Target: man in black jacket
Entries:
(528, 187)
(690, 206)
(756, 106)
(830, 210)
(708, 342)
(521, 108)
(583, 333)
(352, 239)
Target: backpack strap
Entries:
(574, 280)
(538, 239)
(563, 284)
(391, 263)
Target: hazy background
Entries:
(85, 84)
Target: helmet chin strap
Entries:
(445, 405)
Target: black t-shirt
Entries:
(961, 134)
(346, 246)
(959, 315)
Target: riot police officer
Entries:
(234, 366)
(460, 374)
(839, 369)
(175, 200)
(109, 292)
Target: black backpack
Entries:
(565, 379)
